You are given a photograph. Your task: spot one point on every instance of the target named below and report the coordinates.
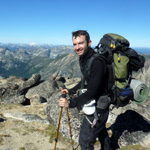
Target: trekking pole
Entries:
(56, 139)
(70, 128)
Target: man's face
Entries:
(80, 45)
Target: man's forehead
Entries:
(74, 37)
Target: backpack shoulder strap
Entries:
(87, 69)
(89, 63)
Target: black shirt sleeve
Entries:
(75, 88)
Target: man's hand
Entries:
(63, 102)
(64, 91)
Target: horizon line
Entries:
(37, 44)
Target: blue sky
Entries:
(52, 21)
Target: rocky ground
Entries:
(18, 133)
(27, 128)
(32, 132)
(29, 109)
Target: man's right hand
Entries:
(64, 91)
(63, 102)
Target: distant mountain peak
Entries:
(32, 44)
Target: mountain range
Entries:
(23, 60)
(142, 50)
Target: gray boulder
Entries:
(13, 89)
(25, 117)
(42, 92)
(130, 125)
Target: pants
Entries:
(88, 134)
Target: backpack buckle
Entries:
(112, 44)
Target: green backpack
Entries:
(121, 61)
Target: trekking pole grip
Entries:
(63, 95)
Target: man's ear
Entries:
(89, 43)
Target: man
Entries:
(93, 84)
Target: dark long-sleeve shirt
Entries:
(95, 81)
